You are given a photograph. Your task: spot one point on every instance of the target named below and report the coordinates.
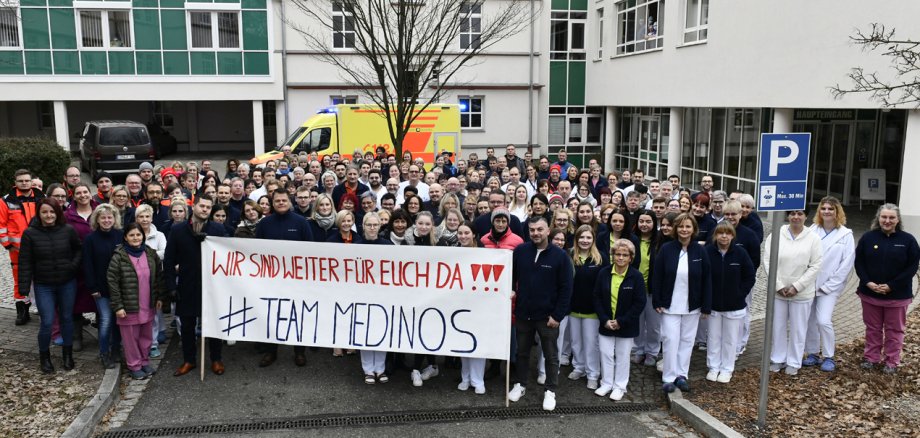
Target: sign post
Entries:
(781, 186)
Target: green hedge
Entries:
(43, 156)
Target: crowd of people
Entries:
(609, 270)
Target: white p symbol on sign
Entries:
(776, 160)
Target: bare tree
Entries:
(904, 54)
(398, 49)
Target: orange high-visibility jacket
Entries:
(16, 211)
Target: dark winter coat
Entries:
(122, 281)
(98, 248)
(49, 256)
(630, 302)
(183, 248)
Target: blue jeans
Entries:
(106, 322)
(47, 299)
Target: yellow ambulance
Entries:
(343, 129)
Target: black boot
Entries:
(21, 313)
(68, 358)
(25, 311)
(78, 334)
(47, 366)
(106, 359)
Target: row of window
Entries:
(344, 34)
(112, 29)
(639, 27)
(470, 109)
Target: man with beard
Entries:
(512, 160)
(154, 198)
(374, 179)
(145, 171)
(135, 187)
(223, 198)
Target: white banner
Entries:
(428, 300)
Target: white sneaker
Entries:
(541, 379)
(712, 375)
(549, 401)
(480, 389)
(463, 386)
(416, 378)
(724, 377)
(617, 394)
(565, 361)
(602, 391)
(575, 375)
(660, 365)
(429, 372)
(592, 384)
(516, 392)
(231, 343)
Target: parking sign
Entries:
(783, 172)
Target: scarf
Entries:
(397, 240)
(495, 236)
(324, 222)
(134, 251)
(444, 233)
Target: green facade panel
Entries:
(63, 28)
(256, 63)
(38, 62)
(172, 3)
(65, 3)
(561, 5)
(94, 63)
(33, 3)
(576, 83)
(557, 82)
(253, 4)
(203, 63)
(121, 63)
(147, 29)
(226, 1)
(149, 63)
(11, 62)
(579, 5)
(144, 3)
(66, 62)
(255, 30)
(173, 23)
(35, 28)
(175, 63)
(229, 63)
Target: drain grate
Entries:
(377, 420)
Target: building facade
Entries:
(687, 87)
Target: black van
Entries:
(115, 146)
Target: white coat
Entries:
(839, 250)
(799, 262)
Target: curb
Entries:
(698, 418)
(85, 424)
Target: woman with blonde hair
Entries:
(583, 322)
(98, 248)
(839, 255)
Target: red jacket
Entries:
(16, 211)
(508, 241)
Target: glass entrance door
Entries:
(831, 161)
(648, 145)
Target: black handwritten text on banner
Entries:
(428, 300)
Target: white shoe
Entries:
(575, 375)
(712, 375)
(592, 384)
(463, 386)
(231, 343)
(660, 365)
(416, 378)
(617, 394)
(480, 390)
(516, 393)
(429, 372)
(541, 379)
(724, 377)
(603, 391)
(549, 401)
(565, 361)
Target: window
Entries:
(470, 25)
(105, 29)
(343, 100)
(343, 28)
(556, 130)
(697, 23)
(600, 33)
(640, 25)
(9, 28)
(162, 114)
(567, 35)
(205, 35)
(471, 112)
(46, 115)
(316, 140)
